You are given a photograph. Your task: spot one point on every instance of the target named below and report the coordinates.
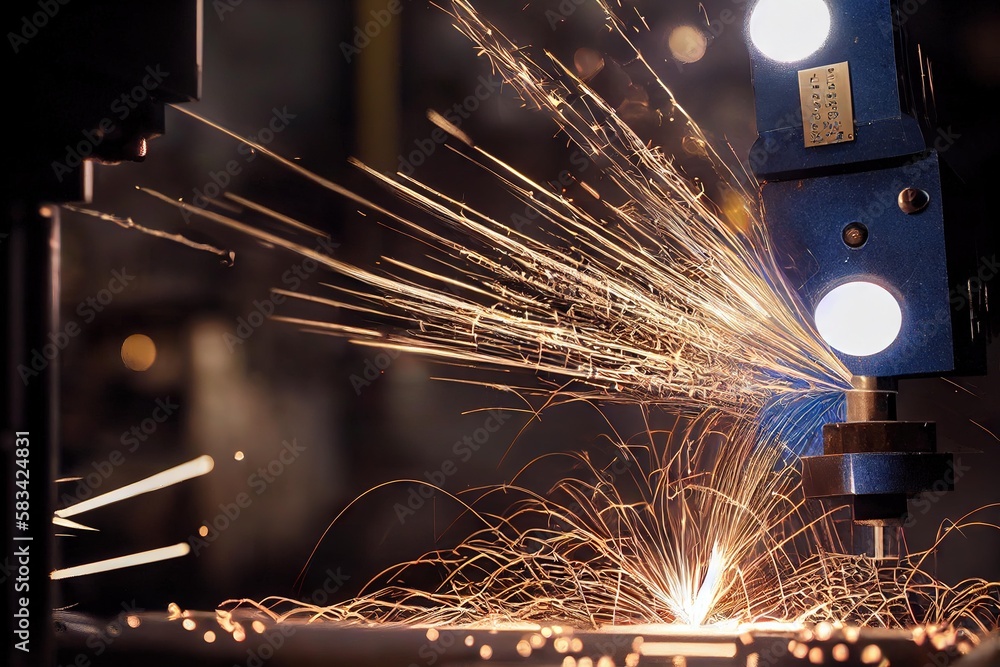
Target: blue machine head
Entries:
(852, 185)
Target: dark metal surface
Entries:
(875, 474)
(152, 639)
(879, 437)
(30, 279)
(88, 81)
(872, 399)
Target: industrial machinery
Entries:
(861, 209)
(873, 232)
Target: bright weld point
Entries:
(859, 318)
(238, 455)
(188, 624)
(133, 621)
(203, 531)
(687, 44)
(138, 352)
(258, 627)
(485, 652)
(789, 30)
(209, 637)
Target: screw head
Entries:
(913, 200)
(855, 235)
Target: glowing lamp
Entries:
(859, 318)
(789, 30)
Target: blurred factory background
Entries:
(302, 423)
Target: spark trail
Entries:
(658, 299)
(703, 526)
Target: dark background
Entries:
(282, 384)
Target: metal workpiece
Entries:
(254, 639)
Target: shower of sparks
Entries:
(683, 535)
(680, 534)
(660, 299)
(666, 300)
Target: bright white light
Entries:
(859, 319)
(789, 30)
